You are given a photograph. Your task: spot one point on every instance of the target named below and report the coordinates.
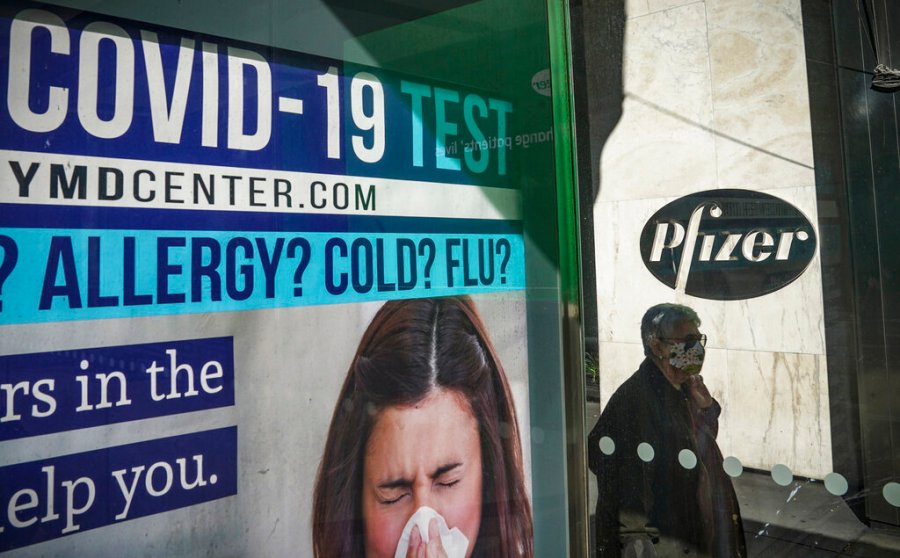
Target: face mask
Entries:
(687, 357)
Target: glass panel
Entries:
(743, 182)
(280, 278)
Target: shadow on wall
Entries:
(599, 90)
(598, 31)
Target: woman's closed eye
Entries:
(392, 496)
(393, 491)
(449, 475)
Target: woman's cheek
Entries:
(383, 530)
(463, 511)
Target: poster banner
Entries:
(195, 234)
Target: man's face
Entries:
(680, 357)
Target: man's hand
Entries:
(698, 392)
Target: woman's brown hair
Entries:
(411, 348)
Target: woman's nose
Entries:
(423, 496)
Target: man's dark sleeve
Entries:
(624, 481)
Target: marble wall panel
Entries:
(660, 5)
(636, 8)
(791, 319)
(715, 97)
(617, 362)
(652, 152)
(624, 286)
(779, 412)
(662, 145)
(760, 96)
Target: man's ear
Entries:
(655, 347)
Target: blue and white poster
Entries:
(195, 233)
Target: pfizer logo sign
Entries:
(540, 82)
(728, 244)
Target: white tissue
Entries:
(455, 543)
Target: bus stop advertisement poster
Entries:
(194, 235)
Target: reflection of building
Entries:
(773, 98)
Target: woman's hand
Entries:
(419, 549)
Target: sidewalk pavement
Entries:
(799, 520)
(804, 519)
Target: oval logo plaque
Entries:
(728, 244)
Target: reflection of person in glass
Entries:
(662, 489)
(424, 418)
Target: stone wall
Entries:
(715, 96)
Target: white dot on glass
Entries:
(715, 211)
(645, 452)
(782, 475)
(802, 235)
(732, 466)
(836, 484)
(607, 446)
(84, 364)
(687, 459)
(213, 479)
(891, 492)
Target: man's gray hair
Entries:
(662, 319)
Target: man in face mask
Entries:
(662, 490)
